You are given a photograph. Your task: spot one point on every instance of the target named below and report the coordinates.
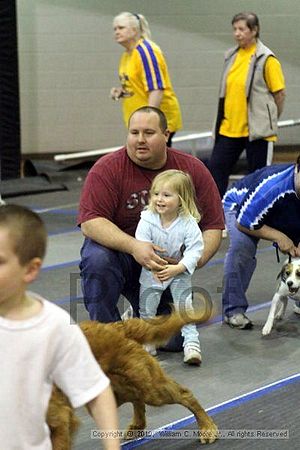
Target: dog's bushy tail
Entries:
(159, 329)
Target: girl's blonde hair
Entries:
(137, 21)
(182, 184)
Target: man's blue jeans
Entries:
(105, 275)
(239, 266)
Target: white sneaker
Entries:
(297, 308)
(151, 349)
(192, 354)
(239, 321)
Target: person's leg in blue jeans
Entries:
(105, 275)
(239, 266)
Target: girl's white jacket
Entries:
(182, 240)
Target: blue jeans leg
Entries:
(239, 266)
(105, 275)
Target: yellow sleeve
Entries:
(273, 75)
(152, 65)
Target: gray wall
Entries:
(69, 60)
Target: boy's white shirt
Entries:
(184, 230)
(34, 354)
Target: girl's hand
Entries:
(170, 271)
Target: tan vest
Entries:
(262, 109)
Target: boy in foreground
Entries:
(39, 345)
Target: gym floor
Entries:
(246, 381)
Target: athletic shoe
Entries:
(192, 354)
(239, 321)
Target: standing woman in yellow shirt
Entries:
(251, 99)
(143, 72)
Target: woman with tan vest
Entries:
(251, 99)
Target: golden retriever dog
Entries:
(288, 287)
(135, 375)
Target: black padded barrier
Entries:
(10, 153)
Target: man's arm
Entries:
(103, 409)
(210, 207)
(212, 240)
(279, 98)
(284, 243)
(106, 233)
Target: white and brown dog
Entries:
(288, 287)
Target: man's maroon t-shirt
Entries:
(117, 189)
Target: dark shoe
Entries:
(239, 321)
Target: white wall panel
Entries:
(68, 62)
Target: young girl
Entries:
(171, 222)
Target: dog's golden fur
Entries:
(135, 375)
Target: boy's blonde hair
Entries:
(182, 184)
(27, 231)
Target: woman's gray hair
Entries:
(137, 21)
(251, 20)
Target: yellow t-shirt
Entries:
(144, 70)
(235, 121)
